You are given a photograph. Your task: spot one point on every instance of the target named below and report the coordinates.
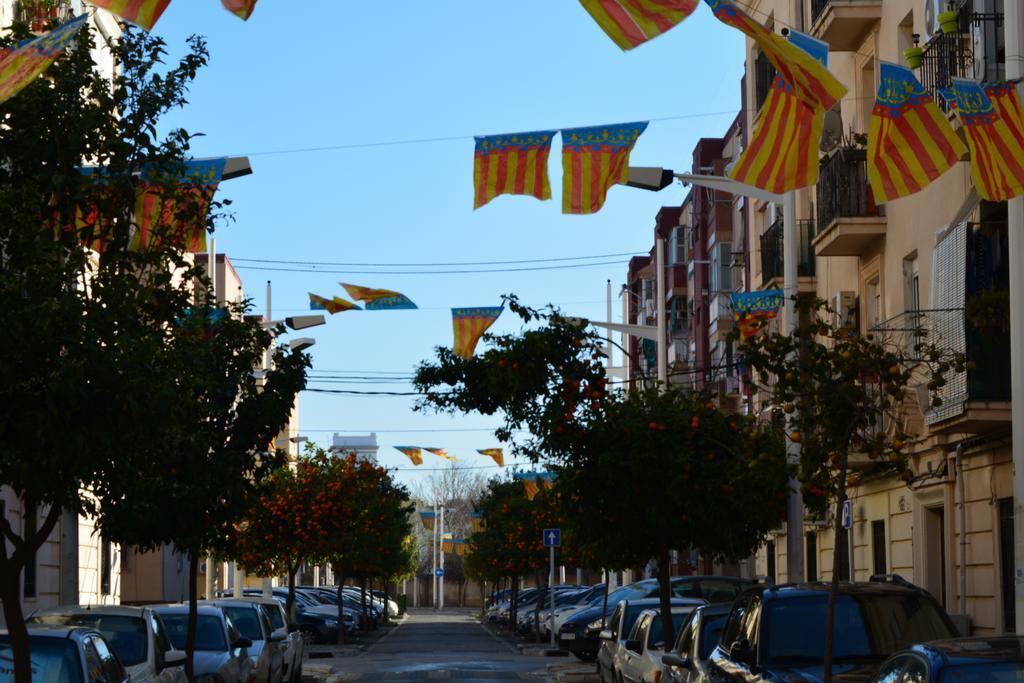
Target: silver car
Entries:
(136, 634)
(221, 651)
(293, 647)
(253, 623)
(65, 655)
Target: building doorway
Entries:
(935, 552)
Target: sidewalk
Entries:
(324, 662)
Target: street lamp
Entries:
(301, 343)
(655, 179)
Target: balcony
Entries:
(675, 281)
(771, 253)
(844, 24)
(849, 221)
(976, 51)
(720, 316)
(40, 15)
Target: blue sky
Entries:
(340, 73)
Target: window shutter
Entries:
(946, 319)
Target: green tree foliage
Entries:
(841, 393)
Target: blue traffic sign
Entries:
(439, 571)
(552, 538)
(847, 518)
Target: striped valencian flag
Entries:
(441, 453)
(414, 453)
(21, 63)
(516, 163)
(997, 148)
(142, 13)
(783, 151)
(594, 159)
(158, 217)
(495, 454)
(240, 8)
(750, 309)
(910, 143)
(378, 299)
(469, 324)
(632, 22)
(332, 305)
(811, 81)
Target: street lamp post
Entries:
(440, 599)
(654, 178)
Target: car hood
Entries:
(210, 662)
(584, 616)
(841, 673)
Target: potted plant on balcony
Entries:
(989, 309)
(949, 21)
(40, 14)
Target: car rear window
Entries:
(867, 627)
(126, 635)
(209, 632)
(54, 660)
(246, 619)
(656, 634)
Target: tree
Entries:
(839, 393)
(90, 378)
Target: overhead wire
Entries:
(425, 272)
(436, 265)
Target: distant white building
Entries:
(365, 447)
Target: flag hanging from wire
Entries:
(516, 163)
(178, 219)
(476, 520)
(469, 324)
(547, 479)
(142, 13)
(812, 83)
(633, 22)
(332, 305)
(910, 143)
(240, 8)
(441, 453)
(783, 151)
(594, 159)
(21, 63)
(427, 517)
(530, 485)
(495, 454)
(997, 153)
(378, 299)
(414, 453)
(751, 309)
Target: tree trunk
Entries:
(10, 595)
(837, 555)
(514, 607)
(665, 594)
(387, 615)
(604, 606)
(193, 612)
(289, 605)
(545, 595)
(362, 598)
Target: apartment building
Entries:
(924, 261)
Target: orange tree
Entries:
(839, 392)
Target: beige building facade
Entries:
(917, 262)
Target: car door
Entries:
(275, 616)
(161, 646)
(112, 668)
(723, 665)
(629, 657)
(683, 646)
(275, 646)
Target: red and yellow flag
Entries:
(414, 453)
(20, 64)
(994, 136)
(469, 324)
(333, 305)
(811, 81)
(179, 219)
(910, 143)
(594, 159)
(516, 163)
(783, 151)
(441, 453)
(632, 22)
(495, 454)
(142, 13)
(531, 488)
(240, 8)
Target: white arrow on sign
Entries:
(551, 537)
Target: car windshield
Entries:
(987, 672)
(867, 627)
(656, 634)
(327, 598)
(209, 631)
(54, 660)
(632, 613)
(126, 635)
(628, 593)
(246, 619)
(275, 616)
(710, 633)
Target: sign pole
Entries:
(551, 593)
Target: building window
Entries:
(105, 561)
(873, 303)
(811, 555)
(878, 546)
(769, 551)
(30, 523)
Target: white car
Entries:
(253, 623)
(293, 647)
(65, 655)
(136, 634)
(619, 628)
(221, 651)
(639, 658)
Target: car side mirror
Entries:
(173, 658)
(634, 645)
(682, 661)
(742, 652)
(279, 635)
(606, 634)
(241, 643)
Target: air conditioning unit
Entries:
(845, 306)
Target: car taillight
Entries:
(657, 677)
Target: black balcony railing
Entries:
(772, 255)
(764, 74)
(843, 188)
(988, 380)
(977, 51)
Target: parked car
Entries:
(563, 613)
(65, 655)
(221, 651)
(619, 627)
(687, 662)
(136, 634)
(328, 597)
(541, 605)
(293, 647)
(564, 599)
(253, 623)
(389, 603)
(995, 659)
(579, 633)
(319, 623)
(638, 659)
(778, 632)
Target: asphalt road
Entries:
(430, 646)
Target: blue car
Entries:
(990, 659)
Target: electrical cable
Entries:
(436, 265)
(427, 272)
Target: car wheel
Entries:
(586, 656)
